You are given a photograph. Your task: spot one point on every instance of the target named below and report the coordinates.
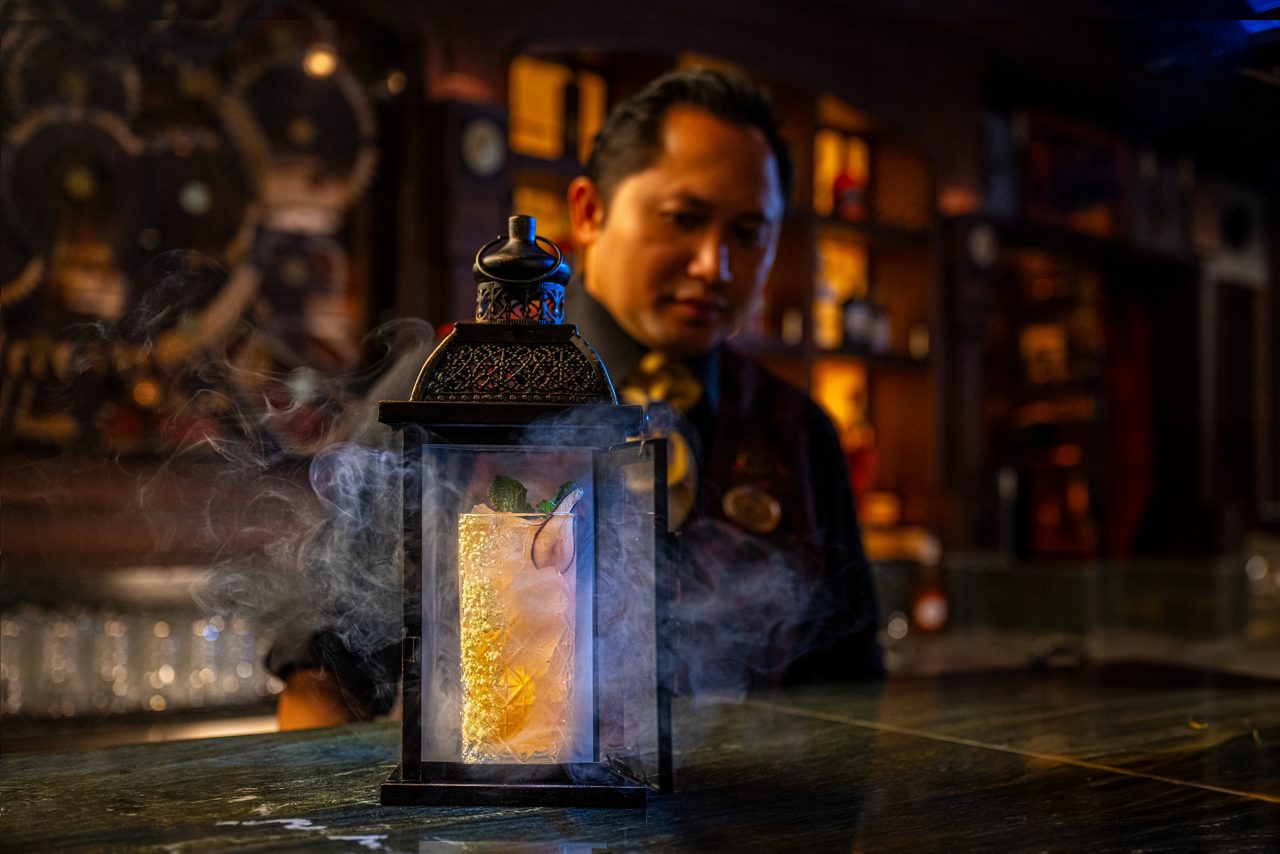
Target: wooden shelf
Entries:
(765, 346)
(1081, 245)
(565, 168)
(869, 232)
(771, 348)
(1065, 411)
(891, 360)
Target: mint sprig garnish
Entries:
(508, 495)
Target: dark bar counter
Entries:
(1111, 757)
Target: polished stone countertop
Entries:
(1116, 757)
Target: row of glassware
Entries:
(97, 661)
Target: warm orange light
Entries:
(1078, 498)
(320, 61)
(548, 207)
(1044, 352)
(840, 386)
(955, 200)
(592, 106)
(457, 86)
(880, 509)
(827, 156)
(842, 275)
(918, 341)
(1066, 456)
(146, 393)
(841, 166)
(537, 106)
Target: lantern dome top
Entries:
(518, 361)
(517, 259)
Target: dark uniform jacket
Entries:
(791, 605)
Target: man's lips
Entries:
(698, 309)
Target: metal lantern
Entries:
(536, 565)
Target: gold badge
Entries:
(752, 510)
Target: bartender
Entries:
(678, 216)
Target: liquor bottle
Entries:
(857, 325)
(881, 332)
(828, 333)
(849, 197)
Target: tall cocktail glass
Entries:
(516, 576)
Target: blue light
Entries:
(1263, 5)
(210, 633)
(1252, 26)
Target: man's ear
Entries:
(586, 210)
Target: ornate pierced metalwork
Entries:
(518, 360)
(497, 302)
(504, 372)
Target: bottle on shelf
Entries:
(858, 325)
(849, 197)
(881, 336)
(918, 341)
(828, 331)
(792, 326)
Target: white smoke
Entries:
(309, 544)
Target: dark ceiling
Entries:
(1194, 76)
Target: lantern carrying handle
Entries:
(535, 279)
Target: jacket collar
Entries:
(619, 351)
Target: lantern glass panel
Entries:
(508, 676)
(633, 585)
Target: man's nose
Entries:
(710, 262)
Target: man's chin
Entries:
(689, 346)
(679, 338)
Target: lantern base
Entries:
(584, 784)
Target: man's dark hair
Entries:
(630, 139)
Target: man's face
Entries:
(684, 248)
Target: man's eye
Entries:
(683, 220)
(750, 235)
